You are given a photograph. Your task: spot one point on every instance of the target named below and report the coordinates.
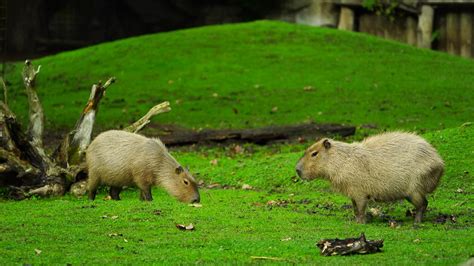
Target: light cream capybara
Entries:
(385, 167)
(117, 158)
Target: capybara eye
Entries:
(185, 182)
(314, 153)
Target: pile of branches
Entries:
(26, 168)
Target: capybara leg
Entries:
(360, 210)
(146, 194)
(92, 185)
(115, 192)
(354, 207)
(421, 204)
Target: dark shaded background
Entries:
(38, 27)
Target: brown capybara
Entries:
(385, 167)
(117, 158)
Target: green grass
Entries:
(251, 68)
(233, 225)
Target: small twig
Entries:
(267, 258)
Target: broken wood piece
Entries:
(349, 246)
(72, 148)
(145, 120)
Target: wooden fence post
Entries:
(425, 26)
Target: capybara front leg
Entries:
(421, 204)
(359, 209)
(115, 192)
(146, 194)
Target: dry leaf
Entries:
(286, 239)
(125, 240)
(183, 227)
(215, 95)
(274, 109)
(417, 240)
(247, 187)
(195, 205)
(375, 212)
(213, 162)
(38, 251)
(108, 197)
(215, 185)
(114, 217)
(308, 88)
(157, 212)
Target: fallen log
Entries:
(180, 136)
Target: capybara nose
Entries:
(298, 172)
(196, 200)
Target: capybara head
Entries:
(182, 185)
(313, 162)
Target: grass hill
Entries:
(232, 76)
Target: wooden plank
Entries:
(346, 19)
(466, 34)
(452, 33)
(425, 26)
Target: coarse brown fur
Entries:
(117, 158)
(385, 167)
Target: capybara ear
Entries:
(179, 170)
(327, 144)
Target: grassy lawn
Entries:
(231, 76)
(234, 224)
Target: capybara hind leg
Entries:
(115, 192)
(359, 209)
(145, 194)
(420, 203)
(92, 185)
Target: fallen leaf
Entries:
(38, 251)
(213, 162)
(238, 149)
(215, 95)
(417, 240)
(247, 187)
(286, 239)
(104, 216)
(183, 227)
(460, 190)
(108, 197)
(308, 88)
(125, 240)
(114, 217)
(195, 205)
(392, 223)
(375, 212)
(274, 109)
(157, 212)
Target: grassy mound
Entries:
(234, 75)
(280, 219)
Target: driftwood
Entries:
(349, 246)
(173, 136)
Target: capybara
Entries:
(385, 167)
(117, 158)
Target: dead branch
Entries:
(72, 148)
(145, 120)
(36, 114)
(349, 246)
